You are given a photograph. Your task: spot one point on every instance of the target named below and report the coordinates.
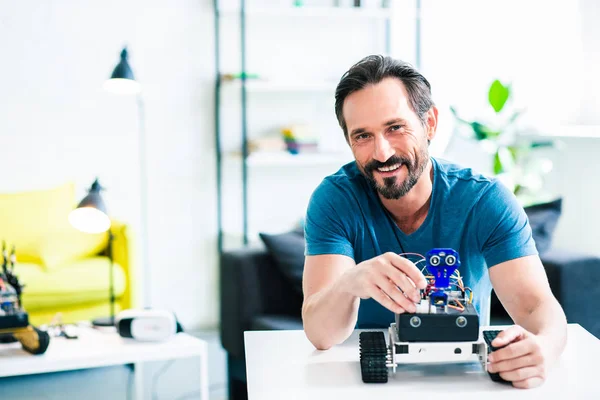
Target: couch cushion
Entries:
(67, 245)
(83, 281)
(36, 223)
(287, 249)
(543, 219)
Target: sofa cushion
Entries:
(82, 281)
(543, 219)
(67, 245)
(36, 223)
(287, 249)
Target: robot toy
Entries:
(445, 326)
(14, 320)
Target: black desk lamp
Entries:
(90, 216)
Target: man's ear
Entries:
(432, 122)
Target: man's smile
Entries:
(389, 171)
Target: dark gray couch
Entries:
(255, 295)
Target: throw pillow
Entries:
(28, 217)
(287, 249)
(68, 245)
(36, 223)
(543, 219)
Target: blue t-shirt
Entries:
(473, 214)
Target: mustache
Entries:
(393, 160)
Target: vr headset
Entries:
(147, 325)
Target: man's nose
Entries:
(383, 149)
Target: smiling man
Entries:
(396, 199)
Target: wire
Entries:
(412, 254)
(424, 267)
(460, 305)
(157, 375)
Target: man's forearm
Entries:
(548, 321)
(329, 316)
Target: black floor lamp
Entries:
(123, 82)
(91, 216)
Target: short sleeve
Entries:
(328, 220)
(503, 229)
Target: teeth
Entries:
(392, 168)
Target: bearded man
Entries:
(394, 200)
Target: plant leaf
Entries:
(536, 145)
(504, 160)
(483, 132)
(498, 95)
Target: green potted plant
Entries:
(517, 161)
(514, 159)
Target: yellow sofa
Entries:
(64, 271)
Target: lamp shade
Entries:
(90, 216)
(121, 80)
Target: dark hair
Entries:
(372, 70)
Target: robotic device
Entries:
(14, 321)
(445, 326)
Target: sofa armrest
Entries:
(574, 278)
(123, 254)
(251, 286)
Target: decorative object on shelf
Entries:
(298, 138)
(236, 76)
(513, 157)
(122, 81)
(90, 216)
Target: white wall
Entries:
(548, 50)
(59, 125)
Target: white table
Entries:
(285, 365)
(94, 348)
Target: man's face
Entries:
(387, 138)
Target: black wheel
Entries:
(373, 352)
(34, 341)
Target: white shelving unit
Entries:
(280, 87)
(263, 86)
(286, 159)
(310, 12)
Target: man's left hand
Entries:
(523, 360)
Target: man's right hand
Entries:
(389, 279)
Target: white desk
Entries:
(285, 365)
(95, 348)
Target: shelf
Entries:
(282, 159)
(312, 12)
(262, 86)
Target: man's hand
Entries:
(523, 360)
(390, 279)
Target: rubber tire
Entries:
(373, 352)
(41, 344)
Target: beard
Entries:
(391, 189)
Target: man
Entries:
(396, 199)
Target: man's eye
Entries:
(396, 127)
(362, 136)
